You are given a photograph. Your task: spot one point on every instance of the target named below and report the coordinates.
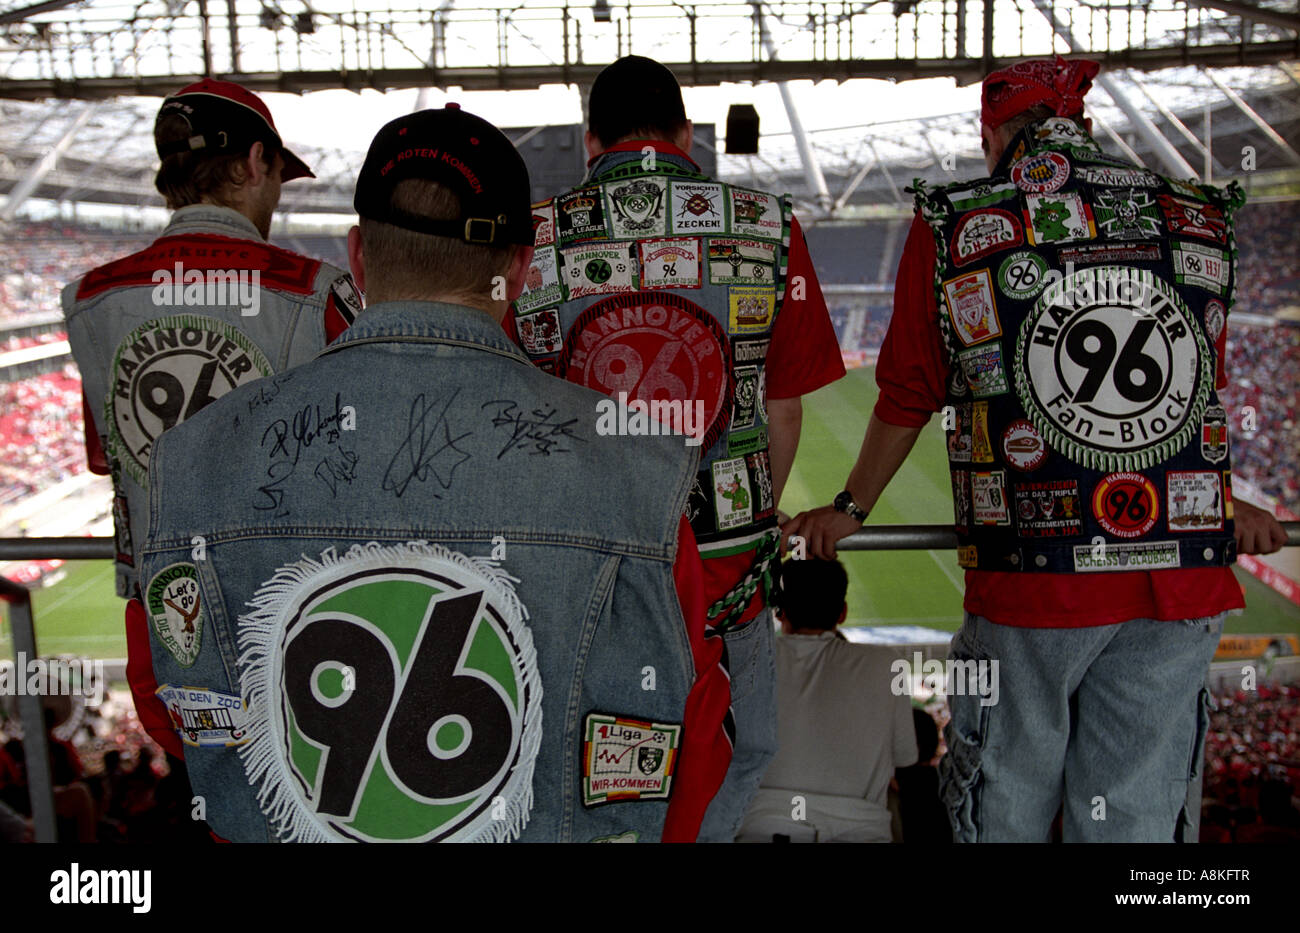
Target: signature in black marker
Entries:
(309, 425)
(539, 429)
(336, 468)
(429, 448)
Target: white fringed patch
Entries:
(262, 629)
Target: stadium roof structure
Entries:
(1171, 68)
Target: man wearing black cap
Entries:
(209, 306)
(654, 283)
(459, 611)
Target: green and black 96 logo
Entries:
(396, 696)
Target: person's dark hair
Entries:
(927, 735)
(812, 592)
(186, 178)
(635, 98)
(409, 265)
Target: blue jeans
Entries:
(752, 667)
(1105, 723)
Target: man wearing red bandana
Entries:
(1066, 316)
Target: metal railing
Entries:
(22, 622)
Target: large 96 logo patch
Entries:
(395, 697)
(167, 370)
(1112, 368)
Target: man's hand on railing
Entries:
(820, 528)
(1258, 532)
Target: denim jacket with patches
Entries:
(407, 592)
(160, 333)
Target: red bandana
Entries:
(1060, 84)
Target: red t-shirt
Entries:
(913, 373)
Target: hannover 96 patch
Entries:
(172, 600)
(394, 695)
(627, 759)
(167, 370)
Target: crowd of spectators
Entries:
(1268, 260)
(41, 434)
(1263, 405)
(38, 259)
(112, 783)
(1252, 767)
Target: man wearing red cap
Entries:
(209, 306)
(1066, 315)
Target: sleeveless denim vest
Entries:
(161, 333)
(657, 282)
(407, 592)
(1082, 301)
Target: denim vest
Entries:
(154, 348)
(310, 531)
(656, 281)
(1082, 301)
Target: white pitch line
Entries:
(947, 573)
(78, 591)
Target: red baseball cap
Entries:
(229, 118)
(1058, 83)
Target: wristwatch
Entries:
(844, 503)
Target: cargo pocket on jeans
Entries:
(961, 779)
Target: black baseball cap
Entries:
(461, 152)
(633, 94)
(228, 118)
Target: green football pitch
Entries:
(80, 615)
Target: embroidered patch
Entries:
(637, 207)
(985, 194)
(741, 262)
(173, 600)
(1193, 218)
(1117, 177)
(539, 333)
(1111, 368)
(205, 718)
(749, 351)
(985, 374)
(1057, 218)
(1064, 130)
(395, 696)
(580, 215)
(1187, 188)
(1194, 499)
(168, 370)
(750, 308)
(347, 301)
(652, 345)
(745, 401)
(1109, 253)
(599, 270)
(1049, 509)
(981, 447)
(1023, 446)
(625, 759)
(1126, 504)
(1041, 172)
(959, 438)
(673, 263)
(732, 498)
(1022, 275)
(1215, 317)
(984, 232)
(754, 213)
(1227, 494)
(968, 556)
(628, 836)
(1203, 266)
(1214, 434)
(1143, 555)
(1124, 213)
(989, 497)
(961, 500)
(760, 472)
(971, 308)
(743, 443)
(544, 223)
(541, 284)
(696, 208)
